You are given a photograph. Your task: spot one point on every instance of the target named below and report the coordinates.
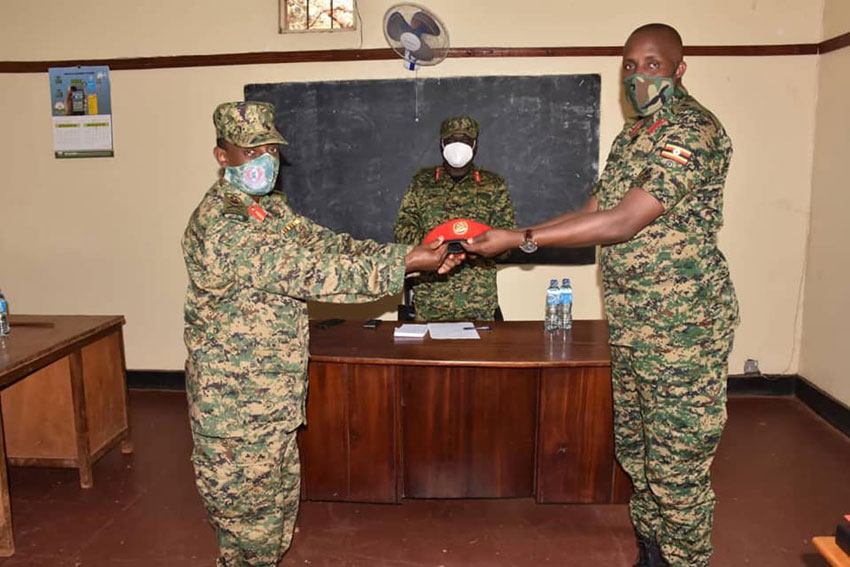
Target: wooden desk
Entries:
(518, 413)
(64, 397)
(835, 555)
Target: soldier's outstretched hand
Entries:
(433, 256)
(493, 242)
(450, 262)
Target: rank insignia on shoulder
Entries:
(438, 174)
(477, 176)
(290, 225)
(233, 205)
(676, 153)
(636, 126)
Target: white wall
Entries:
(42, 29)
(826, 332)
(836, 18)
(102, 235)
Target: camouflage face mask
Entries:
(256, 177)
(648, 93)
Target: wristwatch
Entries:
(528, 245)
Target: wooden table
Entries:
(520, 412)
(835, 555)
(64, 397)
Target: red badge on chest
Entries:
(257, 212)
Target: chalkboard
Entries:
(354, 145)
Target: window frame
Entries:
(282, 14)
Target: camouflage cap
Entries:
(459, 125)
(246, 124)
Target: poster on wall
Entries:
(82, 111)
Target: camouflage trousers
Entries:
(250, 488)
(669, 413)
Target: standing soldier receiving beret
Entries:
(457, 189)
(670, 303)
(253, 263)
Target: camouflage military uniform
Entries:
(672, 310)
(433, 197)
(252, 266)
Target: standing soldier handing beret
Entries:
(253, 264)
(671, 306)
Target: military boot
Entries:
(647, 552)
(655, 557)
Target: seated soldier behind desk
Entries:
(456, 189)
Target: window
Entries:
(316, 15)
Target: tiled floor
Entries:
(781, 476)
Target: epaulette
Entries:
(714, 120)
(233, 206)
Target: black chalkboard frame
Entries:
(354, 145)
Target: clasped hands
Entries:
(435, 256)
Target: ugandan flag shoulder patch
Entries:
(678, 154)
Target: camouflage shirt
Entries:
(246, 327)
(669, 284)
(433, 197)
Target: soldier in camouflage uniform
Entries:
(439, 194)
(253, 263)
(669, 299)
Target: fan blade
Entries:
(424, 53)
(397, 25)
(421, 22)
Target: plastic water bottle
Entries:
(551, 320)
(4, 316)
(566, 314)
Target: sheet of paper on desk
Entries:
(453, 331)
(408, 331)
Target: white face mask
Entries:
(457, 154)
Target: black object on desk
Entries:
(329, 323)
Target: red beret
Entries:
(456, 231)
